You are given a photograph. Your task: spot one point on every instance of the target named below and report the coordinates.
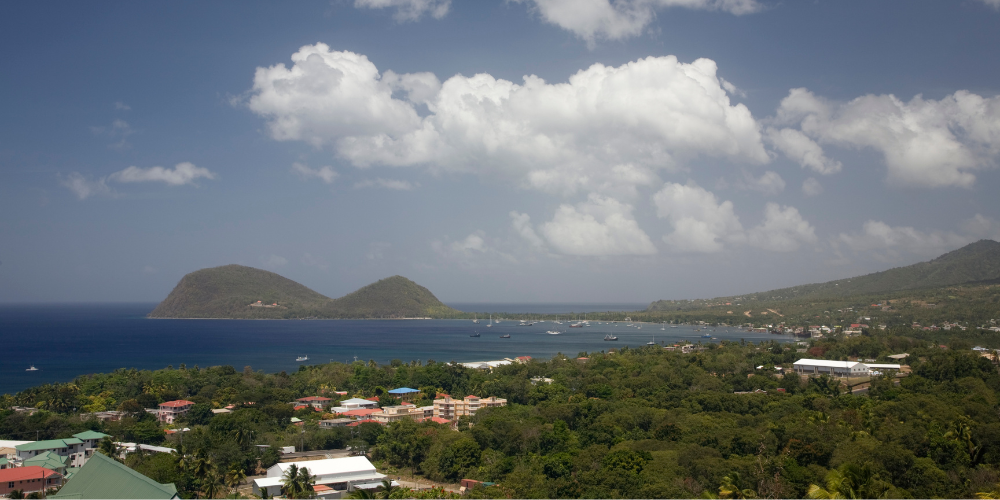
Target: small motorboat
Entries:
(505, 336)
(610, 337)
(302, 358)
(474, 334)
(32, 369)
(553, 332)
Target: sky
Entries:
(493, 151)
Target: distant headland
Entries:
(241, 292)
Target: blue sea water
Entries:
(65, 341)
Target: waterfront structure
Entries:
(450, 409)
(339, 474)
(28, 479)
(103, 477)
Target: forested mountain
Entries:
(975, 262)
(233, 292)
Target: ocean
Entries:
(65, 341)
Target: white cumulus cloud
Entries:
(592, 20)
(326, 174)
(605, 130)
(769, 183)
(84, 187)
(700, 222)
(408, 10)
(878, 236)
(522, 225)
(393, 184)
(599, 226)
(783, 230)
(924, 142)
(800, 148)
(812, 187)
(182, 173)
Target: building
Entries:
(354, 404)
(72, 448)
(450, 409)
(339, 474)
(882, 367)
(171, 410)
(48, 460)
(315, 401)
(405, 393)
(90, 440)
(833, 368)
(334, 422)
(103, 416)
(103, 477)
(28, 479)
(392, 414)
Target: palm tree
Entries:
(211, 484)
(235, 477)
(852, 481)
(297, 482)
(109, 448)
(732, 487)
(361, 494)
(387, 488)
(200, 465)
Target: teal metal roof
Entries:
(90, 435)
(48, 460)
(50, 444)
(102, 477)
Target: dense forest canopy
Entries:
(634, 423)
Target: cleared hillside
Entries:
(233, 292)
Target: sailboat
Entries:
(302, 358)
(664, 327)
(610, 337)
(651, 342)
(491, 322)
(475, 319)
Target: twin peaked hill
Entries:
(233, 292)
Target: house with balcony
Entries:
(169, 411)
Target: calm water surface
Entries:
(64, 341)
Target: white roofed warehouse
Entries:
(339, 474)
(832, 368)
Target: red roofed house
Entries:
(315, 401)
(170, 410)
(523, 359)
(28, 479)
(439, 420)
(361, 414)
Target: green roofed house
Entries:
(49, 460)
(72, 448)
(103, 477)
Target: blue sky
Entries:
(508, 151)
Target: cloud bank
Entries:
(605, 128)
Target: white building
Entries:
(340, 474)
(355, 404)
(833, 368)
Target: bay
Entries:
(67, 340)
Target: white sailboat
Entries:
(491, 322)
(475, 319)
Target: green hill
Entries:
(233, 292)
(975, 262)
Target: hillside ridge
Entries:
(975, 262)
